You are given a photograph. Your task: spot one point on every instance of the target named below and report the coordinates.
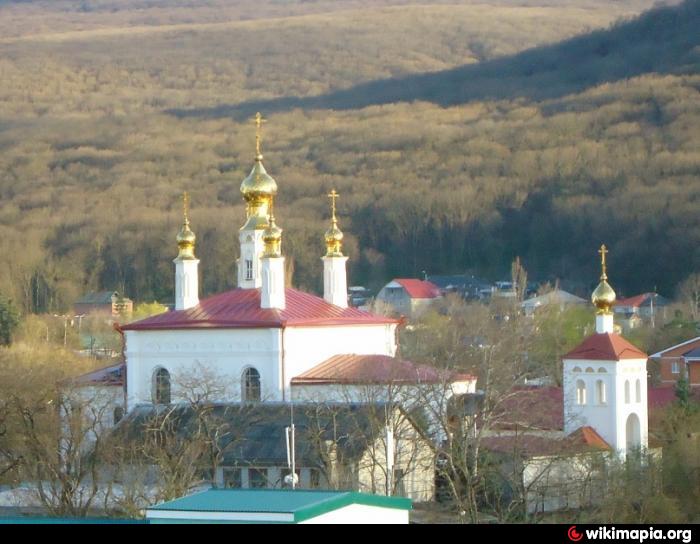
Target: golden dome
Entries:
(186, 238)
(258, 188)
(334, 236)
(334, 239)
(603, 296)
(272, 238)
(259, 182)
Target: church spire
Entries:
(272, 236)
(186, 264)
(272, 293)
(259, 187)
(334, 236)
(258, 190)
(185, 238)
(335, 282)
(603, 297)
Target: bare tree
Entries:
(689, 295)
(63, 444)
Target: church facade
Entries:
(262, 335)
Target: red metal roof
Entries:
(633, 302)
(540, 408)
(587, 438)
(365, 369)
(240, 308)
(419, 288)
(605, 347)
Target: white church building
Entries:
(262, 336)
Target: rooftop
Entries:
(369, 369)
(300, 504)
(605, 347)
(419, 288)
(240, 308)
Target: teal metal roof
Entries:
(302, 504)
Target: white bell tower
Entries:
(605, 380)
(335, 282)
(258, 190)
(186, 265)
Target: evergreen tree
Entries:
(9, 319)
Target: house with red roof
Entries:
(409, 297)
(632, 311)
(680, 361)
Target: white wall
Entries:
(227, 352)
(306, 347)
(362, 514)
(608, 419)
(224, 352)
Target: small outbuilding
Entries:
(281, 506)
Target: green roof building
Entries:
(281, 506)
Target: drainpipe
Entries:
(284, 381)
(118, 328)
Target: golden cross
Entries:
(603, 251)
(333, 195)
(259, 120)
(185, 206)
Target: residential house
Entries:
(337, 446)
(556, 297)
(409, 297)
(681, 360)
(103, 303)
(644, 307)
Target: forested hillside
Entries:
(459, 136)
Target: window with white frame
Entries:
(249, 269)
(580, 392)
(675, 367)
(601, 392)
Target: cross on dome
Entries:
(603, 251)
(259, 120)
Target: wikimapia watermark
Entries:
(637, 535)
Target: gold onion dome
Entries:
(334, 236)
(259, 182)
(603, 296)
(186, 238)
(272, 238)
(259, 188)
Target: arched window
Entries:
(627, 391)
(638, 391)
(590, 370)
(251, 385)
(580, 392)
(118, 414)
(577, 369)
(600, 392)
(161, 386)
(601, 370)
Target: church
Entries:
(267, 339)
(266, 343)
